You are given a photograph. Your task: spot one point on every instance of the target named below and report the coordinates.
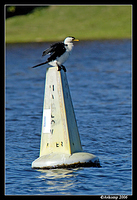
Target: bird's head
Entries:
(69, 40)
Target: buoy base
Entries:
(61, 160)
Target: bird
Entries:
(59, 53)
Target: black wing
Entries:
(56, 50)
(47, 51)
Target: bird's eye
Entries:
(66, 44)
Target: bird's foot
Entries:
(64, 68)
(59, 67)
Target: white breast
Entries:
(64, 57)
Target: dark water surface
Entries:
(99, 75)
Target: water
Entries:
(99, 75)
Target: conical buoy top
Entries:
(59, 127)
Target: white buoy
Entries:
(60, 141)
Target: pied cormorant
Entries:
(59, 53)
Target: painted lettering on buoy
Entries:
(53, 121)
(62, 144)
(51, 131)
(59, 144)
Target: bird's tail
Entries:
(40, 64)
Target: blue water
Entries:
(99, 75)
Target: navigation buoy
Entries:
(60, 142)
